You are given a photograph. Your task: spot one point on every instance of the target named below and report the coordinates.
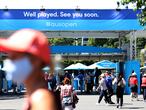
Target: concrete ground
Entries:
(86, 102)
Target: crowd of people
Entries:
(28, 54)
(106, 88)
(107, 84)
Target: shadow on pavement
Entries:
(85, 93)
(132, 108)
(9, 96)
(127, 104)
(7, 109)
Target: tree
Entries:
(141, 42)
(139, 4)
(61, 41)
(113, 43)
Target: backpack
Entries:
(120, 82)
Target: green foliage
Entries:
(141, 43)
(61, 41)
(65, 41)
(67, 63)
(103, 42)
(96, 42)
(139, 4)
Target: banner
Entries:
(69, 19)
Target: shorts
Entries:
(134, 88)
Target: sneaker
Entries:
(117, 105)
(120, 107)
(105, 100)
(111, 103)
(97, 103)
(107, 104)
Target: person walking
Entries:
(97, 73)
(103, 89)
(109, 85)
(133, 83)
(143, 86)
(120, 84)
(2, 76)
(28, 53)
(67, 95)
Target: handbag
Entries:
(75, 99)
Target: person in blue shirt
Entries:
(81, 80)
(109, 86)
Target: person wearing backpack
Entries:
(133, 83)
(120, 84)
(66, 95)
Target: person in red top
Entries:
(133, 83)
(143, 86)
(28, 52)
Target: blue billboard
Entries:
(69, 19)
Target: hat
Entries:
(144, 74)
(134, 74)
(102, 75)
(30, 41)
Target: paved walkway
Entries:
(86, 102)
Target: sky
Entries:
(59, 4)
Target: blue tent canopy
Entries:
(83, 49)
(107, 64)
(104, 64)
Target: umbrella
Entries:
(69, 67)
(94, 65)
(144, 67)
(105, 64)
(78, 66)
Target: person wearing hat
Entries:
(143, 86)
(133, 83)
(28, 52)
(103, 89)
